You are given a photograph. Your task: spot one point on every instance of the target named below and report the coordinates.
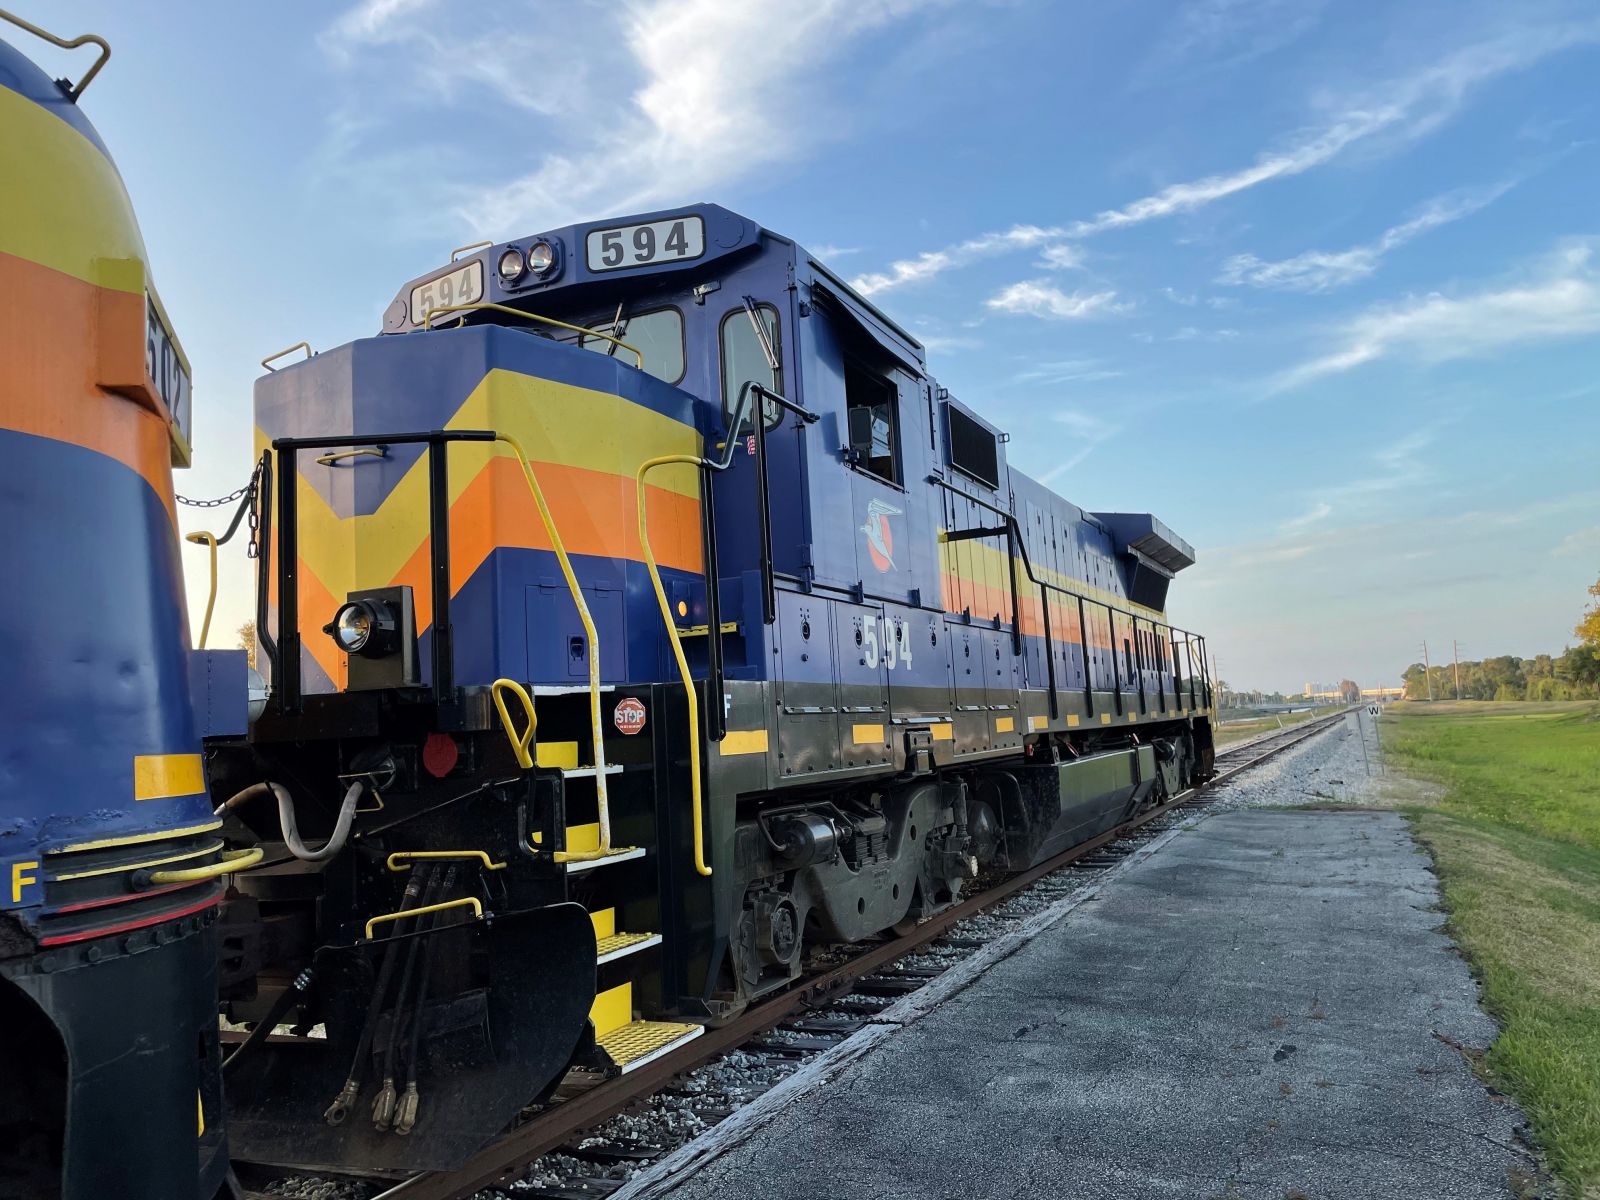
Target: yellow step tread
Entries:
(617, 945)
(638, 1042)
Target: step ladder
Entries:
(623, 1040)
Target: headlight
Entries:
(365, 627)
(352, 627)
(541, 257)
(510, 265)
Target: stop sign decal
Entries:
(629, 716)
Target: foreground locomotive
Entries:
(638, 614)
(110, 859)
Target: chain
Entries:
(253, 516)
(247, 494)
(220, 500)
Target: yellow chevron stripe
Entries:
(68, 210)
(558, 423)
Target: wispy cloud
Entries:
(647, 114)
(1409, 107)
(1581, 542)
(1079, 370)
(1558, 299)
(933, 262)
(1085, 433)
(1063, 256)
(1037, 298)
(1216, 35)
(1324, 270)
(1186, 333)
(440, 65)
(938, 343)
(1395, 466)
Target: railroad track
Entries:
(775, 1037)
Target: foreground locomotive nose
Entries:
(109, 855)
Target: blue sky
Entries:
(1317, 283)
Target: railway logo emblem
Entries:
(880, 534)
(629, 715)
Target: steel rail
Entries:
(501, 1162)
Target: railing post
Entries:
(287, 685)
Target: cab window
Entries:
(656, 335)
(744, 358)
(870, 401)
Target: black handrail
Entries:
(1015, 531)
(286, 679)
(769, 591)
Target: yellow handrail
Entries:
(460, 250)
(645, 468)
(520, 742)
(231, 862)
(463, 902)
(597, 730)
(427, 323)
(398, 861)
(327, 460)
(202, 538)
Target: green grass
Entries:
(1515, 833)
(1238, 731)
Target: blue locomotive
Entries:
(110, 854)
(638, 614)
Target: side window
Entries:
(871, 402)
(656, 335)
(744, 358)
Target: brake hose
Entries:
(288, 826)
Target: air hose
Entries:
(405, 1116)
(340, 1108)
(290, 828)
(383, 1104)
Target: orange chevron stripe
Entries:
(63, 343)
(593, 510)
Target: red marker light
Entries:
(440, 754)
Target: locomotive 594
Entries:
(638, 612)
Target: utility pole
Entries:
(1455, 650)
(1427, 669)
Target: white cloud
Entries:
(1085, 432)
(1191, 333)
(1081, 370)
(1063, 256)
(932, 262)
(1317, 512)
(1215, 35)
(1036, 298)
(666, 100)
(1585, 542)
(936, 343)
(1187, 299)
(1410, 106)
(1321, 270)
(1560, 299)
(371, 23)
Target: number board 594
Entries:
(676, 239)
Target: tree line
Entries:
(1572, 675)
